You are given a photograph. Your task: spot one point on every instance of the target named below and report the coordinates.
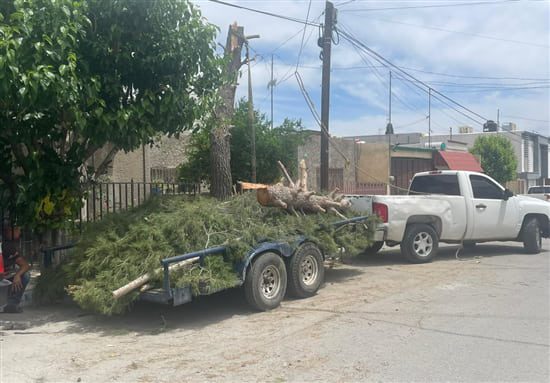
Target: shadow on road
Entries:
(446, 253)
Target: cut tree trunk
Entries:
(144, 279)
(220, 137)
(295, 196)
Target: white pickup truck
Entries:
(454, 207)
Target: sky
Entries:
(492, 57)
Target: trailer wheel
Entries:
(374, 248)
(265, 283)
(532, 238)
(306, 271)
(420, 243)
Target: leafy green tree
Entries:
(272, 145)
(497, 157)
(76, 75)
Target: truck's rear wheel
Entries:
(532, 238)
(306, 272)
(420, 243)
(265, 283)
(374, 248)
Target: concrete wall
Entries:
(373, 160)
(166, 153)
(311, 149)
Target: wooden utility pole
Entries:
(220, 149)
(330, 17)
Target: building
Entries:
(382, 164)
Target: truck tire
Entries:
(306, 271)
(420, 243)
(532, 238)
(374, 248)
(265, 283)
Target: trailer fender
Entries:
(283, 249)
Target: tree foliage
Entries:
(497, 157)
(272, 145)
(76, 75)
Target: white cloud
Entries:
(359, 97)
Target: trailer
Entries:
(267, 272)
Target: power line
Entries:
(303, 36)
(265, 13)
(527, 119)
(486, 85)
(426, 6)
(382, 60)
(461, 32)
(497, 89)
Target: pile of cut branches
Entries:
(125, 246)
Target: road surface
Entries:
(483, 316)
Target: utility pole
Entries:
(272, 84)
(330, 17)
(251, 112)
(389, 126)
(389, 96)
(498, 118)
(430, 118)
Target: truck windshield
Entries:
(539, 189)
(435, 184)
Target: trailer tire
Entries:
(420, 243)
(532, 237)
(306, 271)
(374, 248)
(265, 283)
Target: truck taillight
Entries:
(381, 211)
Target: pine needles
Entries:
(125, 245)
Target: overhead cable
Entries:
(265, 13)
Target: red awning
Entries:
(456, 161)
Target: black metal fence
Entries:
(111, 197)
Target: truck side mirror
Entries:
(507, 193)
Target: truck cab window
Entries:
(485, 188)
(446, 184)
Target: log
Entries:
(142, 280)
(296, 197)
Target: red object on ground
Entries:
(456, 161)
(1, 260)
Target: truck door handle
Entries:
(481, 206)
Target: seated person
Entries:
(16, 271)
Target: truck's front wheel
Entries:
(265, 283)
(420, 243)
(306, 271)
(532, 238)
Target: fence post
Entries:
(132, 192)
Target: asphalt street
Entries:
(481, 316)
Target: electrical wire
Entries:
(426, 6)
(435, 93)
(526, 119)
(303, 36)
(265, 13)
(440, 29)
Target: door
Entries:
(494, 218)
